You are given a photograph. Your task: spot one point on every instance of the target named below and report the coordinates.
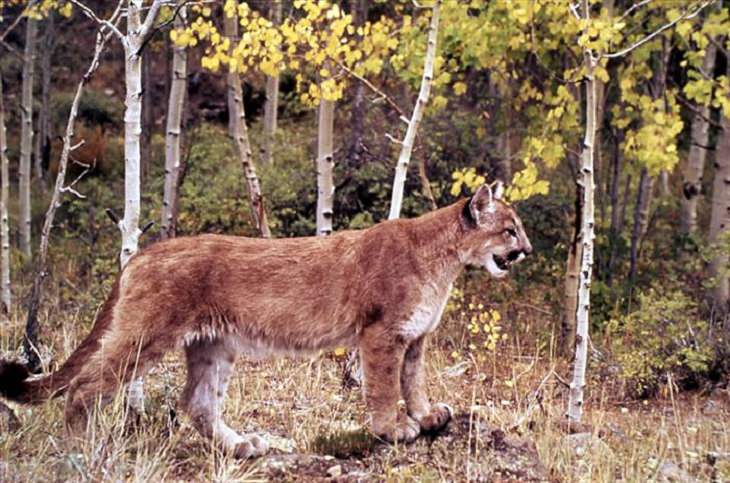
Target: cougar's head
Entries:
(494, 235)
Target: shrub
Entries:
(663, 337)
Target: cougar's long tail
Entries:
(15, 384)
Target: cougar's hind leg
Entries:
(210, 363)
(119, 359)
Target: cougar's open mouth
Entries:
(501, 262)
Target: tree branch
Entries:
(11, 49)
(574, 10)
(719, 46)
(696, 111)
(149, 20)
(17, 20)
(107, 23)
(684, 16)
(634, 7)
(164, 24)
(377, 91)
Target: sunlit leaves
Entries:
(39, 9)
(319, 43)
(466, 178)
(525, 184)
(654, 143)
(702, 87)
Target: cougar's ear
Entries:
(482, 201)
(498, 190)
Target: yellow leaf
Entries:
(440, 102)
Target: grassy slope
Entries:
(303, 400)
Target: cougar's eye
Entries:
(511, 232)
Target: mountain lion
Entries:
(382, 289)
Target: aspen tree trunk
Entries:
(572, 280)
(239, 133)
(503, 160)
(615, 227)
(720, 217)
(5, 293)
(646, 182)
(598, 154)
(272, 96)
(43, 137)
(129, 226)
(644, 196)
(26, 135)
(700, 137)
(178, 89)
(624, 204)
(325, 166)
(575, 255)
(587, 235)
(660, 86)
(30, 343)
(664, 182)
(617, 167)
(147, 118)
(401, 169)
(137, 32)
(504, 156)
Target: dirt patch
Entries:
(495, 455)
(310, 467)
(502, 456)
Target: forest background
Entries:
(299, 118)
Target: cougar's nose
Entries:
(528, 247)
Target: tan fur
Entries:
(381, 289)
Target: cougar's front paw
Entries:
(405, 430)
(436, 419)
(252, 446)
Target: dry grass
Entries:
(301, 403)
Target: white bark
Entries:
(720, 217)
(129, 225)
(587, 235)
(272, 97)
(700, 137)
(325, 166)
(178, 88)
(5, 293)
(137, 32)
(401, 169)
(572, 280)
(239, 133)
(26, 135)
